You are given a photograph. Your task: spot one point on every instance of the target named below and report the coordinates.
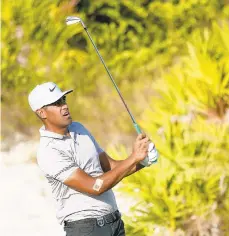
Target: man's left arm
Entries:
(108, 163)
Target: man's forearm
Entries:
(136, 168)
(114, 176)
(108, 163)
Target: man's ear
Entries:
(41, 113)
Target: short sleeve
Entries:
(85, 131)
(98, 148)
(56, 164)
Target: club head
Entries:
(70, 20)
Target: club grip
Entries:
(137, 128)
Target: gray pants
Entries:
(88, 228)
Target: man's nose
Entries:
(64, 106)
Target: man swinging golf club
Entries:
(80, 173)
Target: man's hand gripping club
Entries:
(140, 148)
(143, 142)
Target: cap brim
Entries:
(61, 95)
(67, 92)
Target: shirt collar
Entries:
(50, 134)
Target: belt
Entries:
(100, 221)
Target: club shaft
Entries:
(116, 87)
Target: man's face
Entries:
(57, 114)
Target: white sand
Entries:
(26, 204)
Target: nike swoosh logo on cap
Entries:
(51, 89)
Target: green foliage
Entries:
(33, 51)
(188, 120)
(170, 60)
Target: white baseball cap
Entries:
(44, 94)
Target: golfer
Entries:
(80, 173)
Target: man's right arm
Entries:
(82, 182)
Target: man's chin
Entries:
(69, 120)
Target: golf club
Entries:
(75, 20)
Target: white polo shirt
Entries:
(58, 156)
